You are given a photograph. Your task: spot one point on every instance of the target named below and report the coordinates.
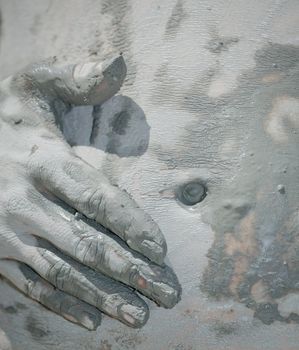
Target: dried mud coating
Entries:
(69, 238)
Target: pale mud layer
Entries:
(248, 143)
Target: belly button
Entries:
(191, 193)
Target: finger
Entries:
(109, 296)
(87, 190)
(99, 250)
(89, 83)
(71, 308)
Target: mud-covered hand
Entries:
(52, 247)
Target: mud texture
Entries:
(248, 142)
(119, 12)
(175, 21)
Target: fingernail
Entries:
(90, 321)
(115, 66)
(168, 296)
(134, 316)
(159, 284)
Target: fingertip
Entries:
(85, 315)
(90, 321)
(169, 295)
(115, 68)
(133, 316)
(153, 245)
(159, 284)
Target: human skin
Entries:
(54, 206)
(246, 158)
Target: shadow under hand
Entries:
(118, 126)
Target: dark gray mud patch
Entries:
(21, 306)
(218, 44)
(120, 127)
(267, 313)
(35, 327)
(175, 20)
(8, 309)
(120, 122)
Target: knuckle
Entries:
(90, 250)
(41, 169)
(58, 272)
(17, 203)
(29, 288)
(34, 289)
(96, 252)
(62, 274)
(96, 204)
(71, 167)
(41, 164)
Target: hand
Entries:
(63, 259)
